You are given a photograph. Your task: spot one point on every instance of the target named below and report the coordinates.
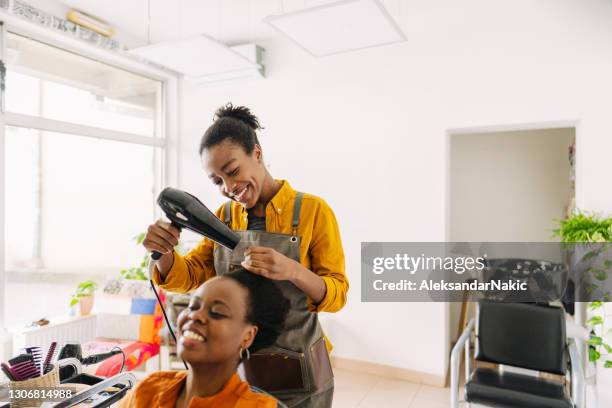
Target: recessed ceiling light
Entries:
(339, 27)
(196, 56)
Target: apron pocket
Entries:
(277, 371)
(321, 364)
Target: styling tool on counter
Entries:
(75, 351)
(36, 353)
(49, 357)
(7, 371)
(23, 367)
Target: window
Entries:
(83, 150)
(56, 84)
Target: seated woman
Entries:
(228, 317)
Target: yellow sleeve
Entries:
(191, 270)
(327, 260)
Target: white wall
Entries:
(367, 131)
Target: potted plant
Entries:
(133, 280)
(84, 296)
(140, 272)
(596, 232)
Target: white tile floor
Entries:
(367, 391)
(354, 389)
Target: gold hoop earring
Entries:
(248, 354)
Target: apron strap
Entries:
(227, 214)
(297, 205)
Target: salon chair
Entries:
(522, 359)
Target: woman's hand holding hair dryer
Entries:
(162, 237)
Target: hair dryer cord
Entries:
(163, 309)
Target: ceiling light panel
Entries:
(339, 27)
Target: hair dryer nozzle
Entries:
(186, 211)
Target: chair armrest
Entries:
(578, 385)
(454, 363)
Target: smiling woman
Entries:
(226, 317)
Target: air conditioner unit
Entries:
(252, 52)
(203, 59)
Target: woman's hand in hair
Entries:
(269, 263)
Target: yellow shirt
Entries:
(320, 248)
(161, 390)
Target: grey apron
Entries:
(301, 341)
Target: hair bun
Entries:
(241, 113)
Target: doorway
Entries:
(508, 186)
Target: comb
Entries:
(20, 359)
(7, 371)
(25, 370)
(49, 358)
(36, 353)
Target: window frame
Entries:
(166, 122)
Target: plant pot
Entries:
(85, 305)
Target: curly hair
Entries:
(234, 122)
(267, 307)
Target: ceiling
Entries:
(432, 27)
(229, 21)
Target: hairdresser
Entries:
(291, 237)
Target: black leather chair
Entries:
(519, 335)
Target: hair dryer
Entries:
(75, 351)
(186, 211)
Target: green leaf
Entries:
(595, 320)
(594, 355)
(582, 227)
(600, 274)
(589, 255)
(86, 288)
(139, 238)
(607, 347)
(73, 302)
(595, 341)
(595, 305)
(608, 263)
(597, 237)
(608, 364)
